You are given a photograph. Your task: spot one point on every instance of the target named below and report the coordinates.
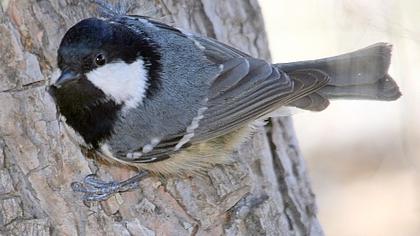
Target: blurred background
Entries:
(363, 157)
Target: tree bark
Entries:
(265, 191)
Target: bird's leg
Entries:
(95, 189)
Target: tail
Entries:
(362, 74)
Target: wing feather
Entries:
(245, 90)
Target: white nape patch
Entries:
(190, 129)
(124, 83)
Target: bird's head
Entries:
(105, 59)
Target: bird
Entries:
(165, 101)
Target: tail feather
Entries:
(385, 89)
(312, 102)
(309, 99)
(362, 74)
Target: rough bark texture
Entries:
(264, 192)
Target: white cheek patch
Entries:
(125, 83)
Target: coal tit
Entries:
(149, 95)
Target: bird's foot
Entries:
(95, 189)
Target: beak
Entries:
(66, 77)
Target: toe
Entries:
(78, 187)
(91, 197)
(94, 181)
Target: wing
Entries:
(245, 90)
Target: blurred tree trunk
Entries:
(264, 192)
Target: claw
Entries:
(78, 187)
(95, 189)
(96, 197)
(94, 181)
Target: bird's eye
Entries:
(100, 59)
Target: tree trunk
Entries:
(265, 191)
